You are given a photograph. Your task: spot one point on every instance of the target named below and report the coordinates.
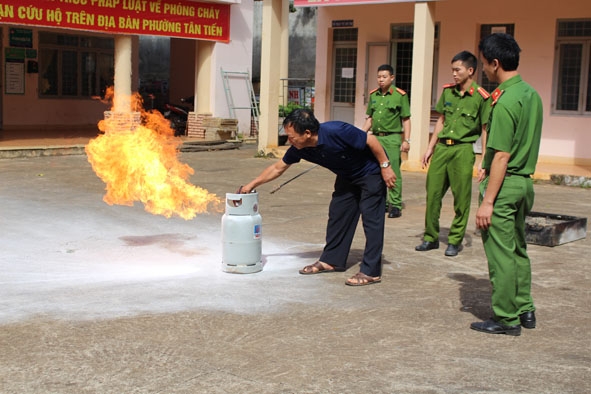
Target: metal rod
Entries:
(291, 179)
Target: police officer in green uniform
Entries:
(464, 109)
(507, 194)
(388, 118)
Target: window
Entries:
(345, 59)
(401, 48)
(486, 30)
(572, 70)
(401, 55)
(74, 66)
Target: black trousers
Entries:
(365, 197)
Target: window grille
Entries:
(72, 66)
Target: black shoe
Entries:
(492, 327)
(528, 319)
(394, 212)
(427, 245)
(452, 250)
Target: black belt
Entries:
(383, 134)
(487, 172)
(450, 142)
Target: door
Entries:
(344, 75)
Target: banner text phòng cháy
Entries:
(179, 18)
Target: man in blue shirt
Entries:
(362, 170)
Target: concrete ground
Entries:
(111, 299)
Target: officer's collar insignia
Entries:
(483, 93)
(495, 95)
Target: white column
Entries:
(284, 54)
(121, 117)
(422, 76)
(203, 76)
(270, 74)
(122, 78)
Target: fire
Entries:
(140, 163)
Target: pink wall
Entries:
(565, 138)
(28, 110)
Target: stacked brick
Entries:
(120, 121)
(195, 127)
(208, 128)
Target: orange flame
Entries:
(142, 164)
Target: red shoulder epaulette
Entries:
(402, 92)
(485, 95)
(449, 85)
(375, 90)
(495, 95)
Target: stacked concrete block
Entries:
(220, 128)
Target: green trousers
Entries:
(450, 167)
(505, 247)
(391, 144)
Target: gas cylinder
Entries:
(242, 234)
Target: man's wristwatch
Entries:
(385, 164)
(407, 141)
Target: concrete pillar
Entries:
(135, 63)
(422, 75)
(204, 76)
(121, 117)
(270, 74)
(284, 54)
(122, 77)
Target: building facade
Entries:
(419, 39)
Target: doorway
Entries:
(344, 75)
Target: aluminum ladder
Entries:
(254, 105)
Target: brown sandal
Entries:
(360, 279)
(316, 268)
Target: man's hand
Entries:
(498, 169)
(484, 215)
(244, 189)
(481, 171)
(481, 174)
(404, 147)
(426, 158)
(389, 177)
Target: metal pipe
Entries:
(291, 179)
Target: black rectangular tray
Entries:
(550, 229)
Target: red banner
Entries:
(317, 3)
(171, 18)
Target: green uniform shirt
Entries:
(388, 110)
(464, 114)
(515, 126)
